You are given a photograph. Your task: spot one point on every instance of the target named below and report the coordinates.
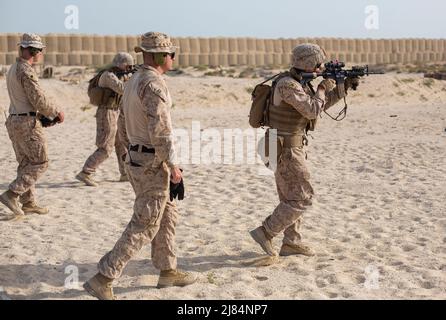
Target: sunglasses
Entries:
(172, 55)
(35, 50)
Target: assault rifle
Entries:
(335, 70)
(120, 74)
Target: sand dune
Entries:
(378, 221)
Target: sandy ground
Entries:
(378, 222)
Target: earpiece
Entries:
(159, 58)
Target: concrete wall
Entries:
(92, 50)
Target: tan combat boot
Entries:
(123, 178)
(11, 200)
(175, 278)
(32, 207)
(294, 249)
(87, 179)
(260, 236)
(100, 287)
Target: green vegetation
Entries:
(248, 73)
(211, 278)
(216, 73)
(428, 83)
(407, 80)
(249, 89)
(201, 68)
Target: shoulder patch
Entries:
(24, 70)
(157, 88)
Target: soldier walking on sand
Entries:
(150, 163)
(293, 111)
(112, 83)
(28, 105)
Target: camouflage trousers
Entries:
(106, 139)
(295, 194)
(31, 150)
(122, 131)
(154, 219)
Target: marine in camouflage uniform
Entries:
(28, 103)
(295, 109)
(151, 164)
(122, 139)
(107, 115)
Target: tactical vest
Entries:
(285, 118)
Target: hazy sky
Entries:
(231, 18)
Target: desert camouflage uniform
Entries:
(26, 132)
(121, 136)
(107, 127)
(147, 104)
(292, 175)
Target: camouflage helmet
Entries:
(123, 58)
(306, 56)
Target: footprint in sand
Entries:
(337, 250)
(322, 266)
(427, 285)
(409, 247)
(321, 283)
(332, 295)
(360, 279)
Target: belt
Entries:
(141, 148)
(293, 141)
(28, 114)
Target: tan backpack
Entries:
(258, 115)
(99, 96)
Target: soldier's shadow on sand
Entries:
(50, 185)
(60, 185)
(34, 277)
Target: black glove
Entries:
(48, 122)
(177, 190)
